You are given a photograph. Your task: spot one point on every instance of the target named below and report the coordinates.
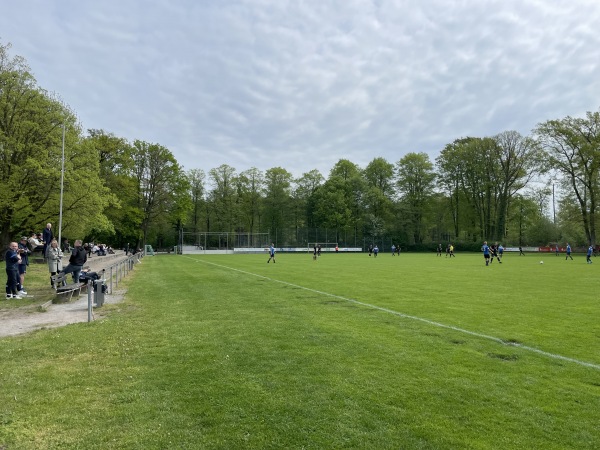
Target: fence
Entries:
(116, 272)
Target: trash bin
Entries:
(99, 291)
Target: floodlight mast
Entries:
(62, 182)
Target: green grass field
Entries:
(229, 352)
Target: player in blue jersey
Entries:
(486, 253)
(272, 253)
(568, 252)
(588, 256)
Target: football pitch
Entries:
(348, 351)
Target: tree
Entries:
(516, 160)
(305, 187)
(116, 171)
(450, 165)
(160, 182)
(31, 130)
(222, 197)
(415, 184)
(380, 174)
(196, 178)
(250, 185)
(573, 148)
(277, 199)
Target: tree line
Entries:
(500, 188)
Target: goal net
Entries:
(221, 242)
(325, 246)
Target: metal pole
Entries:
(89, 289)
(553, 205)
(62, 181)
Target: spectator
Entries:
(76, 261)
(24, 252)
(34, 243)
(66, 247)
(54, 257)
(47, 236)
(12, 259)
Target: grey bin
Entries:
(99, 291)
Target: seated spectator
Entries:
(87, 274)
(101, 250)
(35, 244)
(109, 250)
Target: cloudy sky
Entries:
(301, 84)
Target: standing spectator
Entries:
(272, 253)
(588, 256)
(12, 259)
(66, 247)
(54, 257)
(126, 249)
(47, 236)
(568, 252)
(24, 253)
(76, 261)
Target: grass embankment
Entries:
(205, 356)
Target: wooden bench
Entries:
(64, 290)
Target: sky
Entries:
(302, 84)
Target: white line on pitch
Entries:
(420, 319)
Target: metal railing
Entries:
(116, 272)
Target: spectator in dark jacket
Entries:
(47, 236)
(76, 261)
(12, 259)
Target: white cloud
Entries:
(302, 84)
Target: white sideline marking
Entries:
(420, 319)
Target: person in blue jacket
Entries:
(12, 259)
(589, 254)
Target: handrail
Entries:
(117, 271)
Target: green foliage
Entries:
(31, 131)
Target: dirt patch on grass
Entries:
(30, 318)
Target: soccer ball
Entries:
(541, 262)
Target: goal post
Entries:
(221, 242)
(325, 246)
